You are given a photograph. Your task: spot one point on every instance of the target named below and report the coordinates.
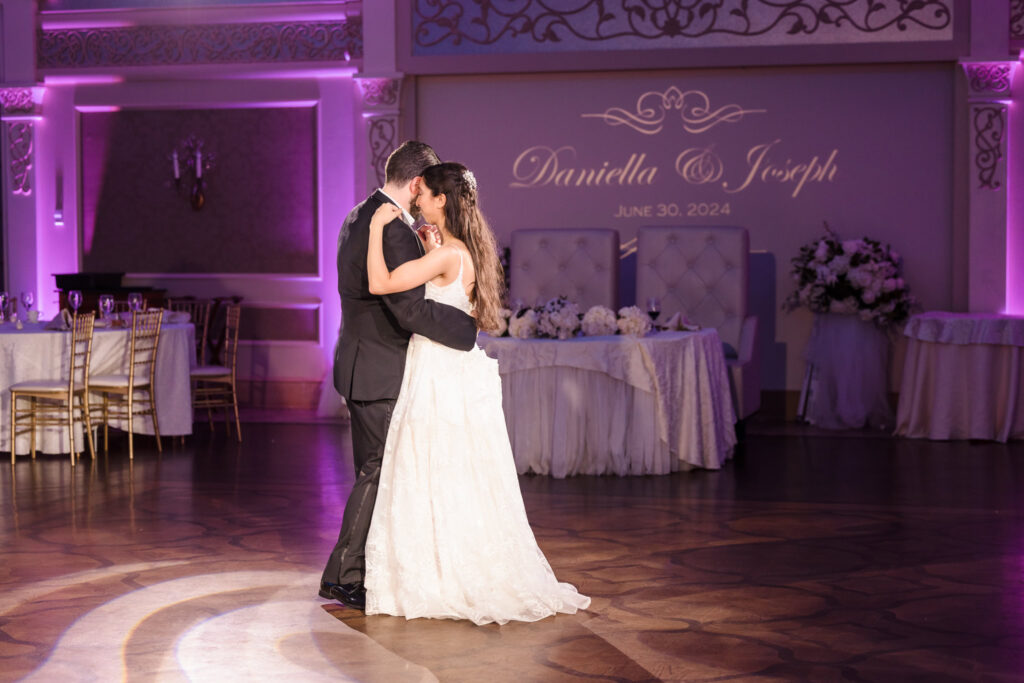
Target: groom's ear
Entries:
(415, 185)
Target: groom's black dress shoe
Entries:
(351, 594)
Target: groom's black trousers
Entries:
(369, 426)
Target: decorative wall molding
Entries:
(1016, 19)
(16, 101)
(378, 92)
(989, 124)
(133, 46)
(382, 137)
(694, 107)
(19, 147)
(381, 96)
(989, 78)
(496, 26)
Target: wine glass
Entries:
(27, 299)
(75, 299)
(4, 299)
(135, 301)
(106, 305)
(653, 308)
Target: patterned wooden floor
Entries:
(809, 557)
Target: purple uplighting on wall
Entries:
(1014, 229)
(137, 219)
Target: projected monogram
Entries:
(769, 162)
(694, 109)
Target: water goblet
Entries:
(106, 305)
(135, 301)
(4, 299)
(75, 299)
(653, 308)
(27, 299)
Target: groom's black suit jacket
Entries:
(370, 357)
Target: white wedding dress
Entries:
(449, 537)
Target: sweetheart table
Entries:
(616, 404)
(37, 353)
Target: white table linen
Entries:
(36, 353)
(963, 377)
(846, 385)
(616, 405)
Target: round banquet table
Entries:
(37, 353)
(616, 404)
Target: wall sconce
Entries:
(191, 158)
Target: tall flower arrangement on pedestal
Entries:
(861, 277)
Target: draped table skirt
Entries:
(36, 353)
(963, 377)
(616, 405)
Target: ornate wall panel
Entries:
(450, 27)
(380, 104)
(1017, 20)
(260, 211)
(18, 109)
(334, 41)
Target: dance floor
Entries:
(810, 556)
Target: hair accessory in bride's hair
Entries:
(469, 179)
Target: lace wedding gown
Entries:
(449, 537)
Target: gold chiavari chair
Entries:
(52, 402)
(214, 386)
(118, 392)
(199, 313)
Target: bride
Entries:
(449, 536)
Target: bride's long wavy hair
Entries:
(465, 222)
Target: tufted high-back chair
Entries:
(704, 272)
(581, 264)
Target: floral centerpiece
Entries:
(560, 318)
(850, 276)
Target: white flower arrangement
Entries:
(633, 321)
(859, 277)
(599, 321)
(503, 316)
(558, 319)
(523, 325)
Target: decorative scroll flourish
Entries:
(989, 129)
(487, 22)
(379, 91)
(19, 141)
(694, 107)
(1017, 19)
(201, 44)
(382, 130)
(989, 77)
(16, 100)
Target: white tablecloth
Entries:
(963, 377)
(616, 405)
(35, 353)
(846, 385)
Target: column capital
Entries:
(379, 92)
(20, 101)
(989, 80)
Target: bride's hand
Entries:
(430, 236)
(384, 214)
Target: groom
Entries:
(370, 358)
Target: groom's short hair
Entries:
(409, 160)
